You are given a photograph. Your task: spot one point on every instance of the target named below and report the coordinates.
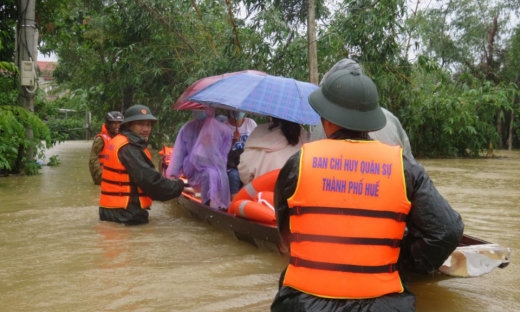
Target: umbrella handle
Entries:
(236, 129)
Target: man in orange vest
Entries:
(97, 154)
(343, 206)
(130, 181)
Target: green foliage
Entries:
(67, 129)
(32, 168)
(9, 12)
(11, 134)
(13, 123)
(474, 38)
(114, 54)
(452, 113)
(54, 161)
(9, 67)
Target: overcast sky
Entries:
(51, 58)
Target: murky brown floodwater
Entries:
(57, 256)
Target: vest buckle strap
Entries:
(298, 262)
(397, 216)
(115, 170)
(120, 183)
(115, 193)
(302, 237)
(296, 211)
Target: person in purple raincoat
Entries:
(200, 154)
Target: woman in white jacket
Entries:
(269, 146)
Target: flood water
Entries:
(57, 256)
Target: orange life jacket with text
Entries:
(347, 220)
(106, 138)
(115, 181)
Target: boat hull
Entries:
(473, 257)
(260, 235)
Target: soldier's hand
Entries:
(189, 190)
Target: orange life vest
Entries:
(106, 138)
(115, 181)
(166, 154)
(347, 220)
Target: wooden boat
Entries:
(258, 234)
(473, 257)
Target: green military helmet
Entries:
(349, 99)
(114, 116)
(138, 112)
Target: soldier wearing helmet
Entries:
(97, 154)
(343, 204)
(130, 181)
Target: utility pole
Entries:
(87, 123)
(311, 38)
(26, 56)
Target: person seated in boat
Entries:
(342, 205)
(241, 128)
(184, 143)
(130, 181)
(269, 146)
(99, 147)
(200, 154)
(392, 133)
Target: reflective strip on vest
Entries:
(347, 219)
(115, 182)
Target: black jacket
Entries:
(142, 173)
(434, 230)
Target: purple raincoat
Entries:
(200, 153)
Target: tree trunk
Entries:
(238, 47)
(311, 39)
(128, 97)
(510, 136)
(499, 128)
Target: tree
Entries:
(8, 13)
(116, 54)
(468, 35)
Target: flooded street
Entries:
(57, 256)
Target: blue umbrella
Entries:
(280, 97)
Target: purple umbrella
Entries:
(274, 96)
(182, 103)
